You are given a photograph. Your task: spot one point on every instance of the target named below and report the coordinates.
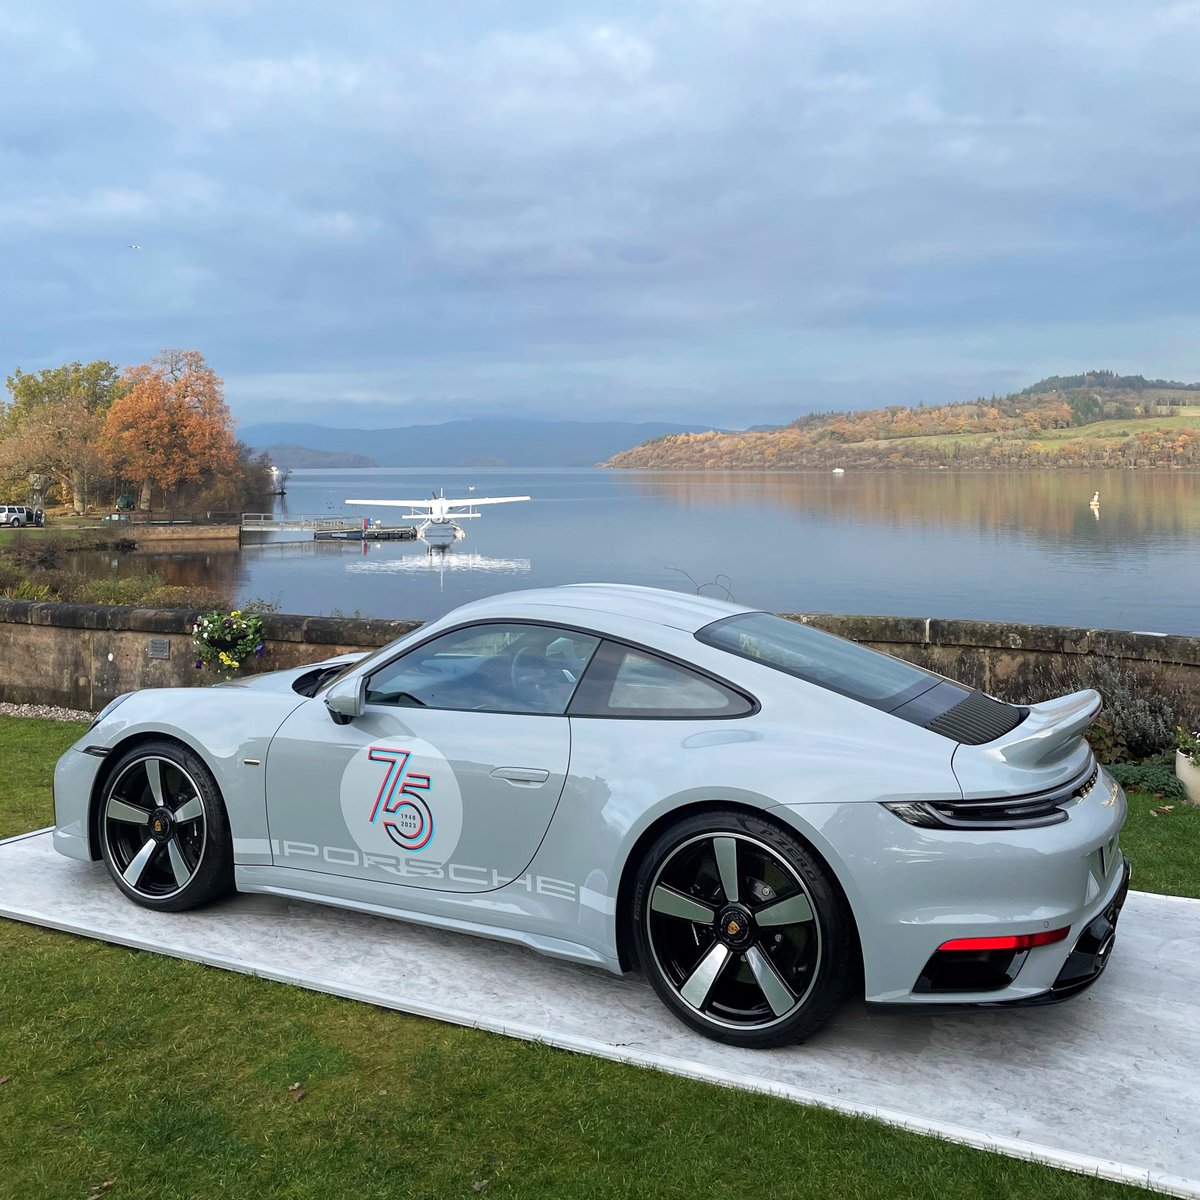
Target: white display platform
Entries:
(1107, 1083)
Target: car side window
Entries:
(488, 668)
(626, 682)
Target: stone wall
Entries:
(180, 535)
(82, 655)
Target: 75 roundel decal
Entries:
(402, 797)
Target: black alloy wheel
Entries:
(164, 833)
(741, 929)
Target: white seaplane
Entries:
(438, 517)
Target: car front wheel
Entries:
(741, 930)
(164, 833)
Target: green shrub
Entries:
(173, 595)
(132, 589)
(259, 604)
(1154, 776)
(1144, 719)
(26, 589)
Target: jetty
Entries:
(342, 529)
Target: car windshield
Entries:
(821, 658)
(382, 652)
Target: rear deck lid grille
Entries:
(977, 719)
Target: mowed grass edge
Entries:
(163, 1079)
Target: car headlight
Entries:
(108, 708)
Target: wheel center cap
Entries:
(735, 926)
(161, 825)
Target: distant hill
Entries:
(1106, 380)
(506, 443)
(283, 455)
(1097, 419)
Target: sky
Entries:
(693, 210)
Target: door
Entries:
(450, 777)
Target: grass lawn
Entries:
(164, 1079)
(1121, 428)
(33, 534)
(1164, 847)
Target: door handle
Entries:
(526, 776)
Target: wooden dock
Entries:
(375, 533)
(327, 529)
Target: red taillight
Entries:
(1017, 941)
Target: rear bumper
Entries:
(914, 889)
(1085, 963)
(1089, 955)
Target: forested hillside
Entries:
(1093, 420)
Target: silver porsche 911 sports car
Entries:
(757, 815)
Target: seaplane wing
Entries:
(395, 503)
(472, 503)
(440, 504)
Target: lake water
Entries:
(1015, 546)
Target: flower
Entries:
(224, 641)
(1188, 743)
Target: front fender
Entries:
(229, 729)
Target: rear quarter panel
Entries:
(627, 776)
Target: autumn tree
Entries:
(171, 427)
(53, 422)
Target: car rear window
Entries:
(622, 681)
(820, 658)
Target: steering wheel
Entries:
(526, 666)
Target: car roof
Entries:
(601, 602)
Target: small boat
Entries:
(839, 470)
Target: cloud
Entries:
(621, 207)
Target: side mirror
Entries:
(347, 699)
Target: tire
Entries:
(741, 929)
(164, 832)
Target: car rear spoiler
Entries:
(1051, 729)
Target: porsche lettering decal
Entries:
(418, 868)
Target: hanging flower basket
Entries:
(226, 641)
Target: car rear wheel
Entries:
(741, 930)
(164, 833)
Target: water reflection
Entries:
(215, 570)
(441, 561)
(1043, 503)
